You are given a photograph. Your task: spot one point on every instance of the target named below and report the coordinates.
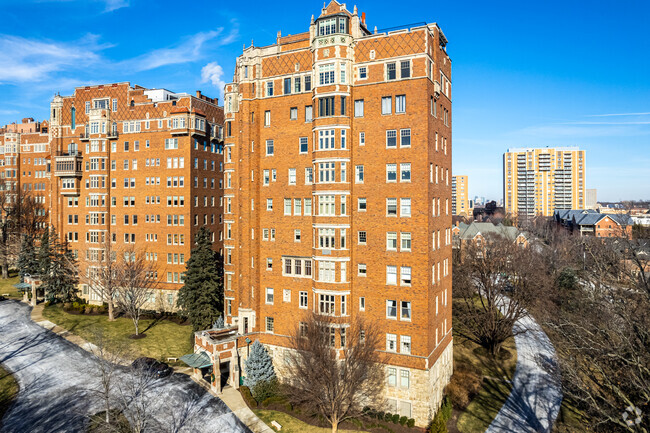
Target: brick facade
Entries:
(337, 147)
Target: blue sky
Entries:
(525, 73)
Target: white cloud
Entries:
(112, 5)
(213, 72)
(619, 114)
(28, 60)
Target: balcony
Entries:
(68, 164)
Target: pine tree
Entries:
(201, 298)
(44, 254)
(61, 280)
(259, 367)
(27, 262)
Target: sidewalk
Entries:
(238, 406)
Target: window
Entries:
(309, 113)
(362, 238)
(386, 105)
(326, 106)
(391, 241)
(292, 176)
(362, 270)
(391, 172)
(269, 295)
(293, 113)
(391, 309)
(269, 204)
(326, 238)
(391, 207)
(391, 275)
(309, 175)
(342, 73)
(307, 83)
(287, 86)
(405, 172)
(359, 174)
(267, 118)
(405, 69)
(269, 324)
(405, 241)
(400, 104)
(297, 206)
(269, 88)
(326, 139)
(296, 85)
(406, 310)
(326, 304)
(405, 138)
(296, 235)
(362, 139)
(391, 138)
(303, 299)
(391, 342)
(405, 276)
(343, 106)
(287, 206)
(405, 207)
(326, 172)
(361, 204)
(363, 72)
(269, 147)
(358, 108)
(304, 145)
(405, 374)
(326, 74)
(326, 205)
(391, 72)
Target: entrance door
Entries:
(224, 368)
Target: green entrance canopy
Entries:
(197, 360)
(22, 286)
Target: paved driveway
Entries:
(55, 377)
(536, 395)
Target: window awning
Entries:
(197, 360)
(22, 285)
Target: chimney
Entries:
(198, 94)
(363, 18)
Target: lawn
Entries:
(8, 391)
(163, 339)
(495, 388)
(292, 425)
(7, 286)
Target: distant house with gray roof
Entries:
(478, 232)
(590, 222)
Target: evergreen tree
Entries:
(27, 261)
(61, 280)
(201, 298)
(259, 367)
(44, 254)
(219, 324)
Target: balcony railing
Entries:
(68, 164)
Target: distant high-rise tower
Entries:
(592, 199)
(537, 181)
(460, 196)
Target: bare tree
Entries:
(20, 213)
(335, 381)
(601, 331)
(494, 284)
(136, 399)
(102, 274)
(108, 355)
(138, 279)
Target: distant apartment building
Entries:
(24, 160)
(338, 194)
(538, 181)
(139, 168)
(591, 201)
(460, 203)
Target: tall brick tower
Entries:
(337, 194)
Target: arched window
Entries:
(73, 120)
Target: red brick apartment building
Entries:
(337, 194)
(141, 168)
(25, 150)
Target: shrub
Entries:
(403, 420)
(248, 397)
(410, 423)
(275, 399)
(464, 385)
(395, 418)
(388, 416)
(380, 415)
(265, 389)
(446, 408)
(438, 425)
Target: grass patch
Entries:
(7, 285)
(569, 419)
(164, 338)
(8, 391)
(290, 424)
(495, 387)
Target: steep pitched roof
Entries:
(483, 229)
